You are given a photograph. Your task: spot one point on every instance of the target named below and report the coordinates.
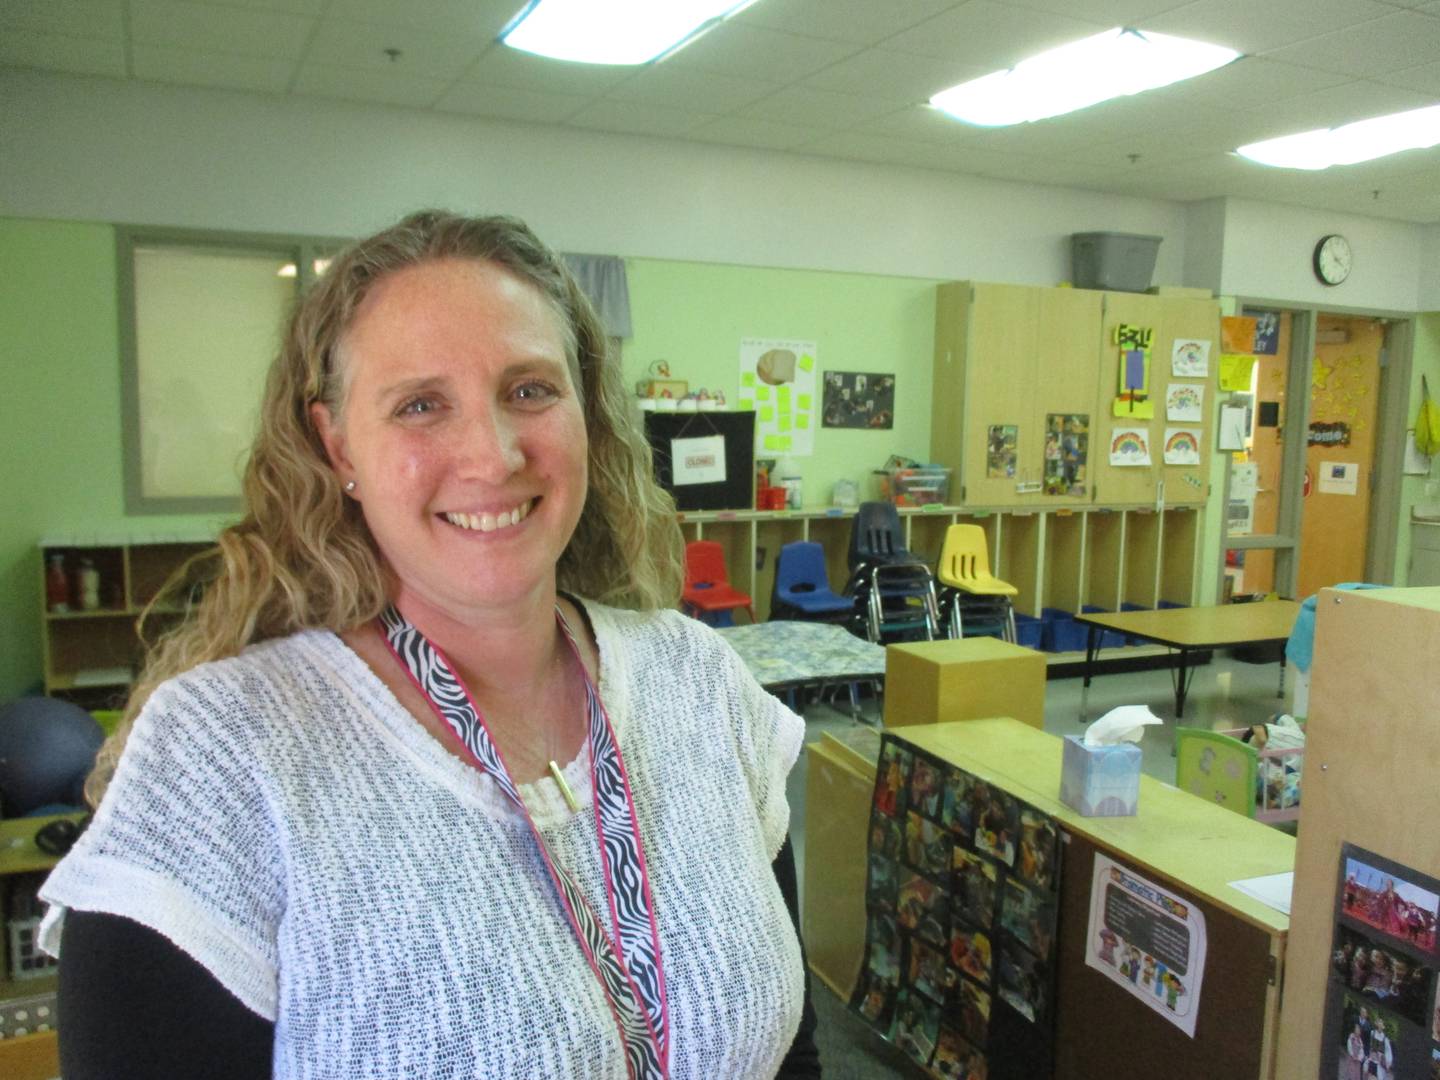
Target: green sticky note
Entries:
(747, 378)
(767, 413)
(785, 422)
(784, 441)
(803, 421)
(782, 394)
(746, 405)
(773, 442)
(807, 362)
(762, 393)
(802, 401)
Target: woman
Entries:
(430, 783)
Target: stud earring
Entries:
(349, 487)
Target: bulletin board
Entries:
(736, 491)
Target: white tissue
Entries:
(1125, 724)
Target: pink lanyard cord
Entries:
(628, 968)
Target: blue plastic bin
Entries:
(1029, 631)
(1109, 639)
(1062, 632)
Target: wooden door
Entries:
(1344, 397)
(1064, 389)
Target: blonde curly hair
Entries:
(302, 557)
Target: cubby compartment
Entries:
(772, 532)
(1179, 542)
(927, 535)
(1104, 558)
(1018, 557)
(1064, 561)
(1142, 558)
(833, 534)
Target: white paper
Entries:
(1185, 402)
(698, 461)
(1339, 477)
(1232, 427)
(1129, 446)
(1190, 358)
(1147, 940)
(1124, 723)
(1416, 463)
(1182, 446)
(1272, 890)
(1240, 511)
(778, 378)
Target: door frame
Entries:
(1391, 421)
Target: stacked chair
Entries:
(802, 587)
(708, 594)
(893, 587)
(974, 601)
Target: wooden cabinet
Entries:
(1009, 355)
(91, 656)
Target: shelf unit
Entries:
(1062, 558)
(90, 656)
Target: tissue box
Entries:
(1100, 781)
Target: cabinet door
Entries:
(1002, 347)
(1064, 385)
(1197, 320)
(1117, 485)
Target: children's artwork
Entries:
(1182, 446)
(1147, 940)
(777, 383)
(1267, 333)
(858, 400)
(1000, 445)
(961, 899)
(1381, 1012)
(1236, 372)
(1237, 334)
(1129, 446)
(1133, 392)
(1190, 358)
(1067, 448)
(1185, 402)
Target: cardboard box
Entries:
(1100, 781)
(930, 682)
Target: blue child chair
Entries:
(802, 586)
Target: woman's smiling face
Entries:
(463, 430)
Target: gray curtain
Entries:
(602, 277)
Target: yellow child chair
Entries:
(964, 573)
(1216, 767)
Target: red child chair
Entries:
(708, 594)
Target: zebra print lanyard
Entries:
(629, 968)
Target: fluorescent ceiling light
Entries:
(1418, 129)
(1083, 73)
(614, 31)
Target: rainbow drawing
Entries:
(1130, 446)
(1182, 446)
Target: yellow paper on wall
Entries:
(746, 405)
(747, 378)
(1236, 372)
(762, 393)
(782, 396)
(777, 442)
(767, 413)
(803, 421)
(802, 401)
(784, 422)
(807, 362)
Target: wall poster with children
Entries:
(961, 894)
(1382, 1018)
(1147, 940)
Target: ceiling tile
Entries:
(1400, 40)
(990, 35)
(290, 7)
(1425, 78)
(805, 107)
(218, 29)
(638, 118)
(1338, 105)
(478, 20)
(1109, 12)
(744, 51)
(863, 22)
(1255, 27)
(500, 65)
(854, 145)
(895, 74)
(752, 131)
(1252, 80)
(78, 18)
(58, 52)
(367, 84)
(185, 67)
(510, 103)
(684, 88)
(362, 46)
(920, 123)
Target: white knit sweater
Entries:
(281, 818)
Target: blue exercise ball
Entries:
(47, 748)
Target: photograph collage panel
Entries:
(961, 910)
(1383, 1005)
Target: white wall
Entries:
(95, 149)
(1268, 250)
(1430, 269)
(1205, 244)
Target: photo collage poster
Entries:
(961, 894)
(858, 399)
(1382, 1018)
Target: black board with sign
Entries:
(737, 490)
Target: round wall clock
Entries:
(1333, 259)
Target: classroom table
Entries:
(785, 655)
(1194, 629)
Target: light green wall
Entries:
(1412, 490)
(61, 469)
(694, 315)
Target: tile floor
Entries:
(1226, 693)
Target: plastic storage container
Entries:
(1062, 632)
(1109, 639)
(1123, 262)
(928, 485)
(1029, 631)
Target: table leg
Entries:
(1280, 693)
(1182, 683)
(1092, 642)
